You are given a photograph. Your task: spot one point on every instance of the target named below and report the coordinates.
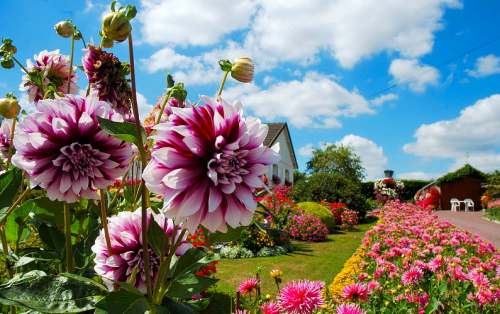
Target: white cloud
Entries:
(487, 65)
(193, 22)
(371, 155)
(476, 130)
(418, 76)
(316, 101)
(143, 106)
(306, 150)
(387, 97)
(419, 175)
(88, 6)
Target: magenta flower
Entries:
(248, 286)
(5, 130)
(207, 161)
(301, 297)
(106, 76)
(270, 308)
(126, 245)
(65, 151)
(55, 69)
(348, 308)
(412, 276)
(355, 292)
(150, 121)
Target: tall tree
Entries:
(339, 160)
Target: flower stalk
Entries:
(70, 266)
(71, 61)
(11, 143)
(105, 223)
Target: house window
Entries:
(287, 175)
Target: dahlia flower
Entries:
(55, 70)
(150, 121)
(348, 308)
(65, 151)
(106, 75)
(301, 297)
(126, 245)
(355, 292)
(270, 308)
(5, 130)
(248, 286)
(207, 161)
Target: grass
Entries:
(312, 261)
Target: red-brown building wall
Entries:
(461, 189)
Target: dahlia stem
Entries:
(5, 247)
(167, 97)
(144, 201)
(71, 61)
(222, 85)
(105, 224)
(69, 250)
(11, 143)
(14, 206)
(115, 197)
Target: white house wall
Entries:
(286, 163)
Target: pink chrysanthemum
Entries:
(270, 308)
(65, 151)
(355, 292)
(412, 276)
(106, 75)
(349, 308)
(207, 161)
(301, 297)
(126, 245)
(248, 286)
(5, 132)
(150, 121)
(55, 69)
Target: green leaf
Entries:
(9, 185)
(15, 229)
(54, 294)
(124, 131)
(50, 211)
(199, 304)
(160, 309)
(170, 80)
(53, 238)
(231, 235)
(122, 302)
(128, 287)
(189, 261)
(176, 307)
(22, 277)
(156, 236)
(24, 261)
(189, 285)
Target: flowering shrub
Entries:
(278, 208)
(413, 262)
(485, 200)
(306, 228)
(336, 208)
(494, 208)
(428, 200)
(387, 189)
(349, 220)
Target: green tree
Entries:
(339, 160)
(493, 189)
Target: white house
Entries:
(278, 133)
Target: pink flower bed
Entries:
(415, 263)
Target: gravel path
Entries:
(473, 222)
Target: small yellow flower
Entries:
(276, 273)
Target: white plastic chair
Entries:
(469, 204)
(455, 204)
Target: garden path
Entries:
(473, 222)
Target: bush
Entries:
(320, 212)
(494, 209)
(334, 188)
(411, 188)
(306, 228)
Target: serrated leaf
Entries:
(176, 307)
(189, 285)
(54, 294)
(156, 236)
(122, 302)
(124, 131)
(10, 182)
(53, 238)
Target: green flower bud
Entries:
(64, 29)
(7, 63)
(107, 43)
(7, 46)
(78, 35)
(242, 69)
(9, 107)
(116, 26)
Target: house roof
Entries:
(274, 130)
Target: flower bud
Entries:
(242, 69)
(116, 26)
(7, 46)
(78, 35)
(7, 63)
(107, 43)
(64, 29)
(9, 108)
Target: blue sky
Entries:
(323, 67)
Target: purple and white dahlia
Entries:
(55, 70)
(65, 151)
(126, 245)
(207, 161)
(5, 132)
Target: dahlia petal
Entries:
(258, 169)
(246, 217)
(228, 188)
(245, 195)
(37, 140)
(213, 220)
(193, 200)
(195, 145)
(252, 180)
(171, 158)
(65, 183)
(214, 198)
(180, 178)
(85, 123)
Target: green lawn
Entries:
(312, 261)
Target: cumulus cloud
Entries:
(476, 131)
(143, 106)
(419, 175)
(418, 76)
(88, 6)
(485, 66)
(387, 97)
(317, 101)
(371, 155)
(306, 150)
